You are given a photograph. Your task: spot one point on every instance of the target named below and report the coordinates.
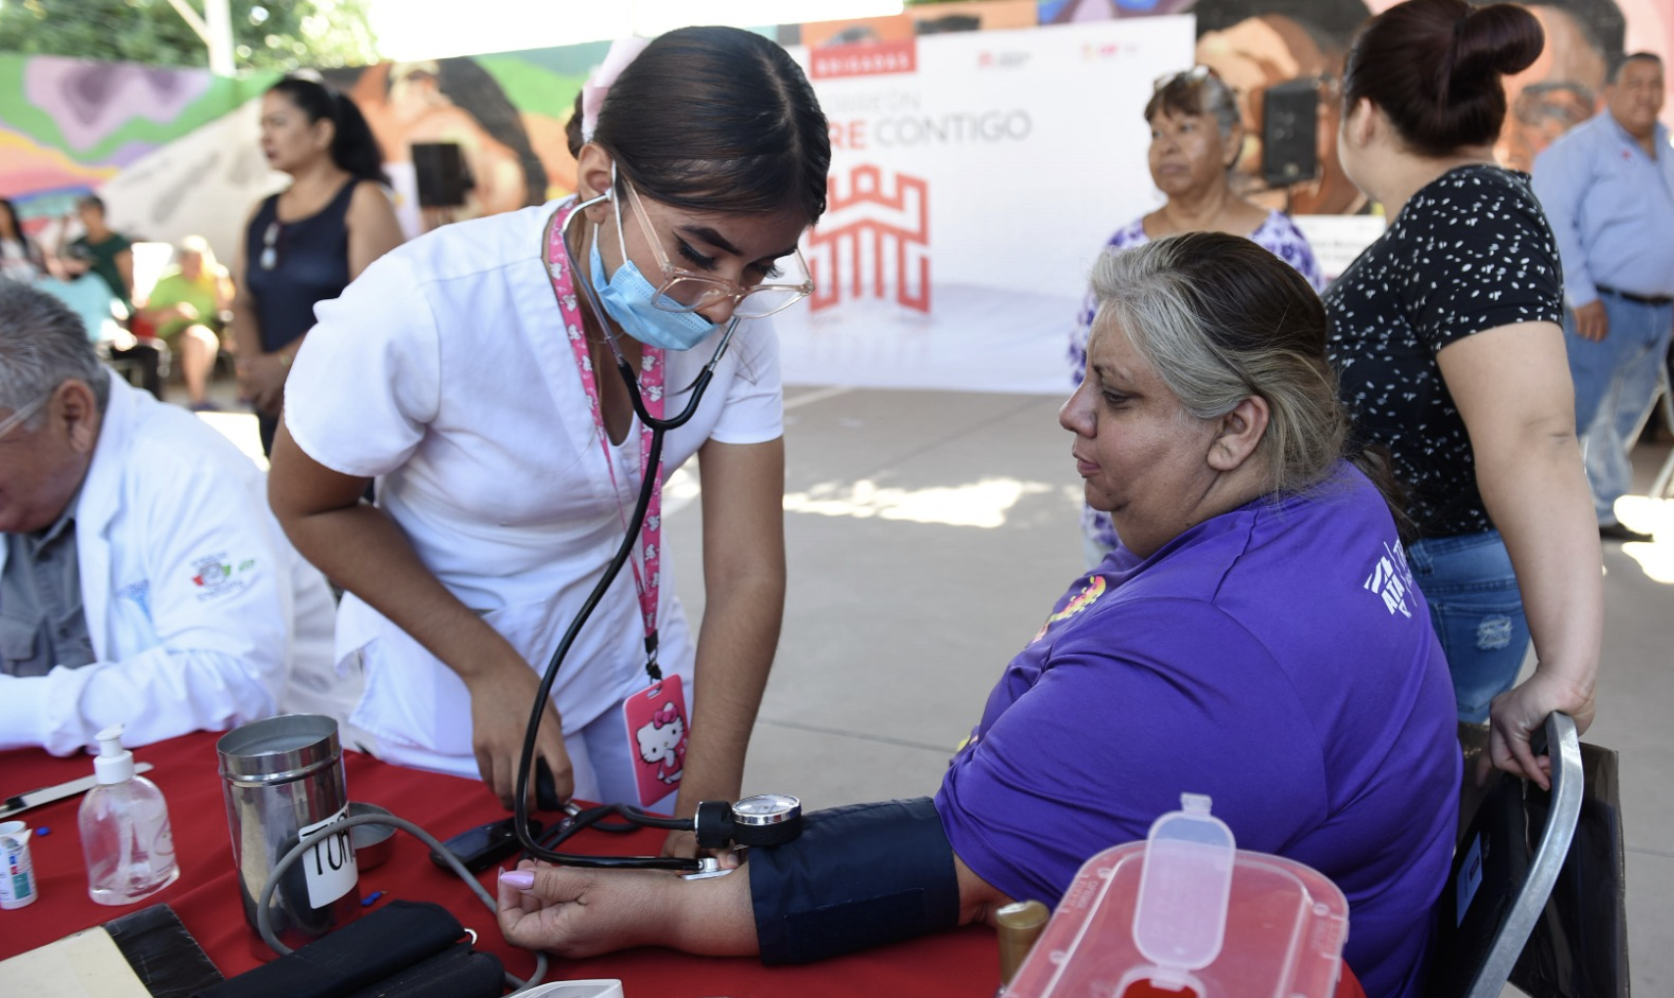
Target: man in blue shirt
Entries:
(1608, 190)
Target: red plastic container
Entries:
(1187, 913)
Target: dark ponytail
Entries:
(31, 252)
(716, 119)
(1434, 67)
(354, 149)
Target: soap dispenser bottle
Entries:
(124, 829)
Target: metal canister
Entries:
(17, 871)
(283, 778)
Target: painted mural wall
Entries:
(68, 126)
(1255, 44)
(175, 151)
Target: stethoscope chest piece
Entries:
(762, 820)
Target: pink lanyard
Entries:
(648, 580)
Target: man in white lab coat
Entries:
(142, 577)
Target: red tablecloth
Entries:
(960, 963)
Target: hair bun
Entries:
(1498, 39)
(1434, 66)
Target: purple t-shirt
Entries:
(1277, 658)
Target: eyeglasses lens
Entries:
(689, 294)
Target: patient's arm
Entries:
(579, 913)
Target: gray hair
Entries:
(1221, 320)
(42, 345)
(1196, 91)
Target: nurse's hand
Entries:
(500, 701)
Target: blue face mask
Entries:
(628, 298)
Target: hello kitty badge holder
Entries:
(657, 736)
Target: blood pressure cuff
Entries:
(856, 877)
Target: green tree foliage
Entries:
(268, 34)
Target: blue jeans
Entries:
(1615, 384)
(1477, 612)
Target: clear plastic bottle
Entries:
(124, 829)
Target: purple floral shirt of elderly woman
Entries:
(1277, 234)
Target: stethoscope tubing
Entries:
(659, 428)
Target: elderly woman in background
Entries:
(184, 307)
(1228, 646)
(1196, 136)
(1447, 341)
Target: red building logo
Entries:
(868, 232)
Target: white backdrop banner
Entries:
(974, 179)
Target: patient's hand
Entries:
(579, 913)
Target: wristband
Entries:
(856, 877)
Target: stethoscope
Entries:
(657, 426)
(767, 819)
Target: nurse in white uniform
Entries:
(470, 374)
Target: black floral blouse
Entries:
(1470, 251)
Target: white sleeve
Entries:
(218, 598)
(755, 405)
(367, 379)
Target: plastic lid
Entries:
(114, 764)
(1179, 922)
(1186, 914)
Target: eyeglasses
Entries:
(270, 245)
(684, 291)
(19, 416)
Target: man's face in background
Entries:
(1636, 96)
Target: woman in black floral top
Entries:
(1447, 343)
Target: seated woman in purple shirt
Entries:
(1196, 136)
(1255, 636)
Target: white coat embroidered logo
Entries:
(218, 575)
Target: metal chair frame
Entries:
(1497, 893)
(1565, 747)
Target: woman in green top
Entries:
(108, 254)
(184, 307)
(103, 251)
